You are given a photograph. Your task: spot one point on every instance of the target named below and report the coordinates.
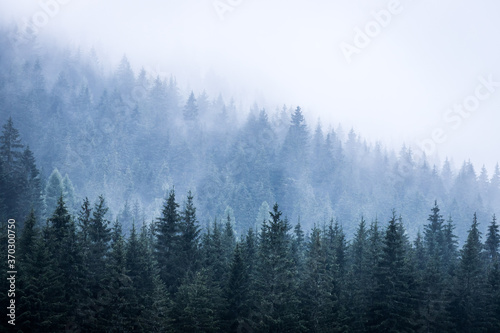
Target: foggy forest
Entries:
(143, 206)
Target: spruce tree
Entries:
(360, 277)
(237, 293)
(167, 244)
(11, 154)
(319, 304)
(468, 305)
(197, 304)
(276, 277)
(394, 307)
(53, 190)
(433, 284)
(190, 112)
(492, 243)
(31, 185)
(189, 237)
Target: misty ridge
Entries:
(133, 136)
(134, 204)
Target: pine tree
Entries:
(433, 284)
(26, 254)
(197, 305)
(276, 277)
(394, 308)
(69, 193)
(237, 293)
(121, 304)
(11, 156)
(38, 305)
(60, 235)
(492, 243)
(450, 248)
(493, 298)
(167, 244)
(360, 277)
(53, 190)
(99, 237)
(298, 247)
(336, 252)
(191, 109)
(467, 307)
(149, 302)
(492, 291)
(295, 150)
(189, 237)
(10, 145)
(215, 261)
(228, 241)
(433, 233)
(319, 304)
(31, 185)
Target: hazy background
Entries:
(396, 90)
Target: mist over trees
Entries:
(133, 136)
(199, 221)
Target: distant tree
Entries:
(10, 146)
(124, 76)
(295, 150)
(190, 111)
(69, 193)
(492, 243)
(11, 155)
(494, 189)
(53, 190)
(262, 215)
(30, 183)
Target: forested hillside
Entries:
(80, 273)
(133, 136)
(142, 207)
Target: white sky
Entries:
(397, 89)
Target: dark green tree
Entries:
(360, 276)
(468, 305)
(197, 304)
(319, 304)
(237, 293)
(492, 243)
(189, 237)
(394, 307)
(11, 155)
(276, 277)
(167, 244)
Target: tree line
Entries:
(129, 135)
(80, 273)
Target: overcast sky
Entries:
(397, 71)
